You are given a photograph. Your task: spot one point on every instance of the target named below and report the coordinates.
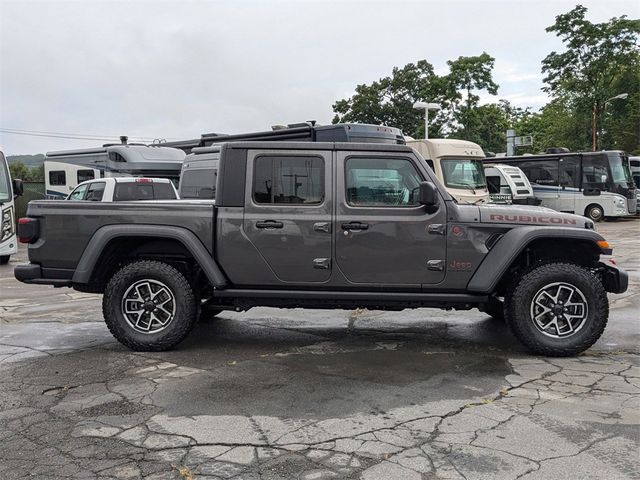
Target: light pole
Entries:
(426, 106)
(594, 121)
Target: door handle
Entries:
(269, 224)
(355, 226)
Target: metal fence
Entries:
(32, 191)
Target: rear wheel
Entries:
(557, 309)
(594, 212)
(4, 259)
(149, 306)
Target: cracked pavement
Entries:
(302, 394)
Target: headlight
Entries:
(6, 229)
(620, 201)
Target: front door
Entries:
(383, 236)
(287, 215)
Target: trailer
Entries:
(64, 170)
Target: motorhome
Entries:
(458, 164)
(594, 184)
(9, 189)
(508, 184)
(634, 165)
(64, 170)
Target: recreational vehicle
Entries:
(594, 184)
(64, 170)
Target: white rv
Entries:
(9, 189)
(508, 184)
(458, 164)
(64, 170)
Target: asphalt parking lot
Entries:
(271, 394)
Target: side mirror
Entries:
(428, 195)
(18, 187)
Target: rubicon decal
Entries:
(533, 219)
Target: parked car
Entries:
(120, 189)
(314, 225)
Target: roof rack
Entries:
(301, 132)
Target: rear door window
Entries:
(95, 191)
(293, 180)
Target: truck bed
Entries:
(66, 227)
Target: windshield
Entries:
(620, 171)
(5, 184)
(463, 173)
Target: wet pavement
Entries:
(303, 394)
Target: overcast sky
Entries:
(176, 69)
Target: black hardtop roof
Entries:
(301, 132)
(369, 147)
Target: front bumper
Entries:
(614, 279)
(9, 246)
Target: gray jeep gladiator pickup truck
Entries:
(324, 225)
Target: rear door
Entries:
(287, 214)
(383, 236)
(569, 180)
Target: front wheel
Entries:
(4, 259)
(149, 306)
(557, 309)
(594, 212)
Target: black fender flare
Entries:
(513, 243)
(188, 239)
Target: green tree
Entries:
(20, 170)
(587, 73)
(24, 173)
(389, 100)
(467, 76)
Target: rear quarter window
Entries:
(198, 183)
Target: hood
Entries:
(529, 215)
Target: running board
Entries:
(331, 297)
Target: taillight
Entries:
(28, 229)
(144, 180)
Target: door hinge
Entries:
(436, 228)
(436, 265)
(322, 227)
(321, 263)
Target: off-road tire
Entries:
(520, 297)
(594, 212)
(186, 307)
(4, 259)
